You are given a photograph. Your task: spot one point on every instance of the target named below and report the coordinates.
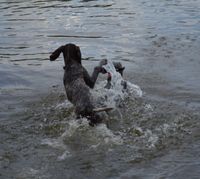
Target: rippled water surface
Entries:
(153, 136)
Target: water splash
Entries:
(80, 136)
(100, 135)
(65, 104)
(135, 124)
(117, 82)
(113, 96)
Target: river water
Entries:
(155, 135)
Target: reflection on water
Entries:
(158, 43)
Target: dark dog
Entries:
(77, 81)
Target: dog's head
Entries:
(70, 52)
(118, 67)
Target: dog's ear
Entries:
(56, 53)
(121, 70)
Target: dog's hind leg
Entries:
(88, 112)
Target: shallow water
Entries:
(153, 136)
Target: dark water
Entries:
(156, 136)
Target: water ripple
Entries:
(157, 41)
(76, 36)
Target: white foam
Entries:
(152, 138)
(117, 81)
(55, 143)
(107, 135)
(112, 97)
(94, 137)
(65, 155)
(58, 144)
(74, 126)
(65, 104)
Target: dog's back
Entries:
(76, 89)
(72, 73)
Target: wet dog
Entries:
(77, 81)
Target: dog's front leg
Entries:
(91, 80)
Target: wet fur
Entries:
(77, 81)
